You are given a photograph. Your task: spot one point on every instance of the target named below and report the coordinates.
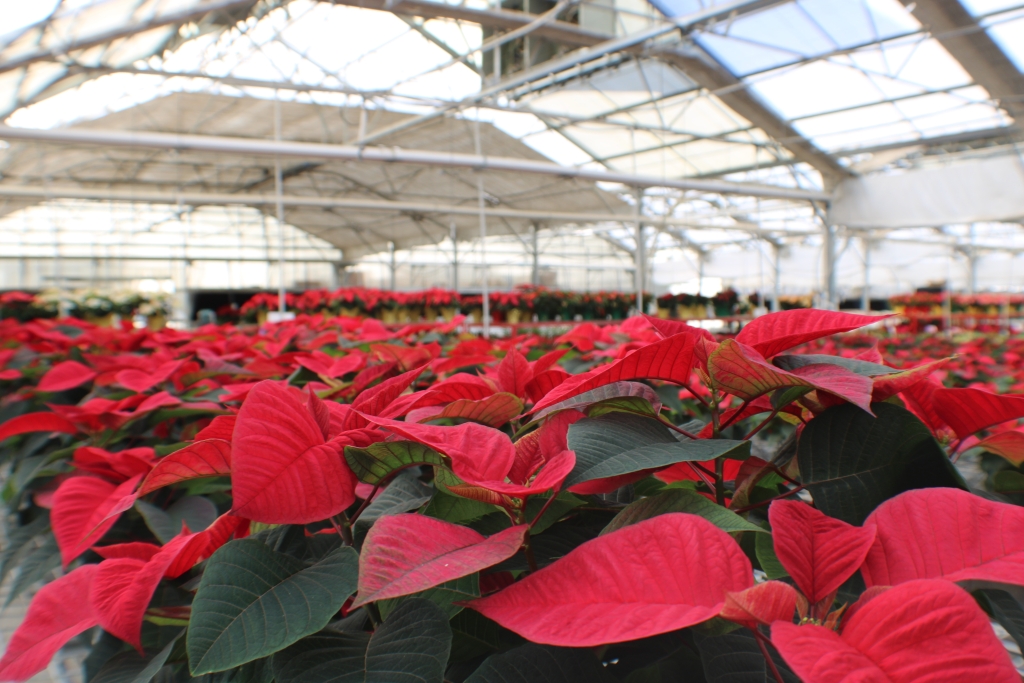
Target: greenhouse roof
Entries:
(796, 96)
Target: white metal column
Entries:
(278, 194)
(776, 279)
(485, 289)
(865, 295)
(453, 233)
(639, 255)
(393, 267)
(829, 267)
(534, 256)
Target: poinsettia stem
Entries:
(770, 500)
(528, 551)
(343, 527)
(374, 614)
(716, 428)
(778, 470)
(547, 503)
(697, 396)
(720, 481)
(668, 423)
(767, 656)
(366, 503)
(703, 469)
(952, 448)
(735, 415)
(703, 474)
(762, 425)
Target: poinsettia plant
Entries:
(330, 500)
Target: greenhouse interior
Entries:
(326, 326)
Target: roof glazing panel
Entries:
(1007, 29)
(804, 29)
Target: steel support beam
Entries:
(164, 258)
(503, 20)
(1007, 133)
(308, 150)
(168, 19)
(979, 55)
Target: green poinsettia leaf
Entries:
(253, 601)
(410, 647)
(852, 462)
(680, 500)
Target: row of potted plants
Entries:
(523, 304)
(694, 306)
(87, 305)
(934, 303)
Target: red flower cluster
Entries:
(608, 486)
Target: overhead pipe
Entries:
(309, 150)
(358, 204)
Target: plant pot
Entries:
(101, 320)
(389, 316)
(449, 313)
(154, 323)
(515, 316)
(664, 313)
(349, 312)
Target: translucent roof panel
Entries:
(803, 29)
(646, 116)
(899, 90)
(983, 7)
(850, 74)
(343, 53)
(958, 110)
(609, 91)
(1007, 29)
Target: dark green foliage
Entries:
(410, 647)
(542, 664)
(622, 443)
(254, 601)
(735, 658)
(852, 462)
